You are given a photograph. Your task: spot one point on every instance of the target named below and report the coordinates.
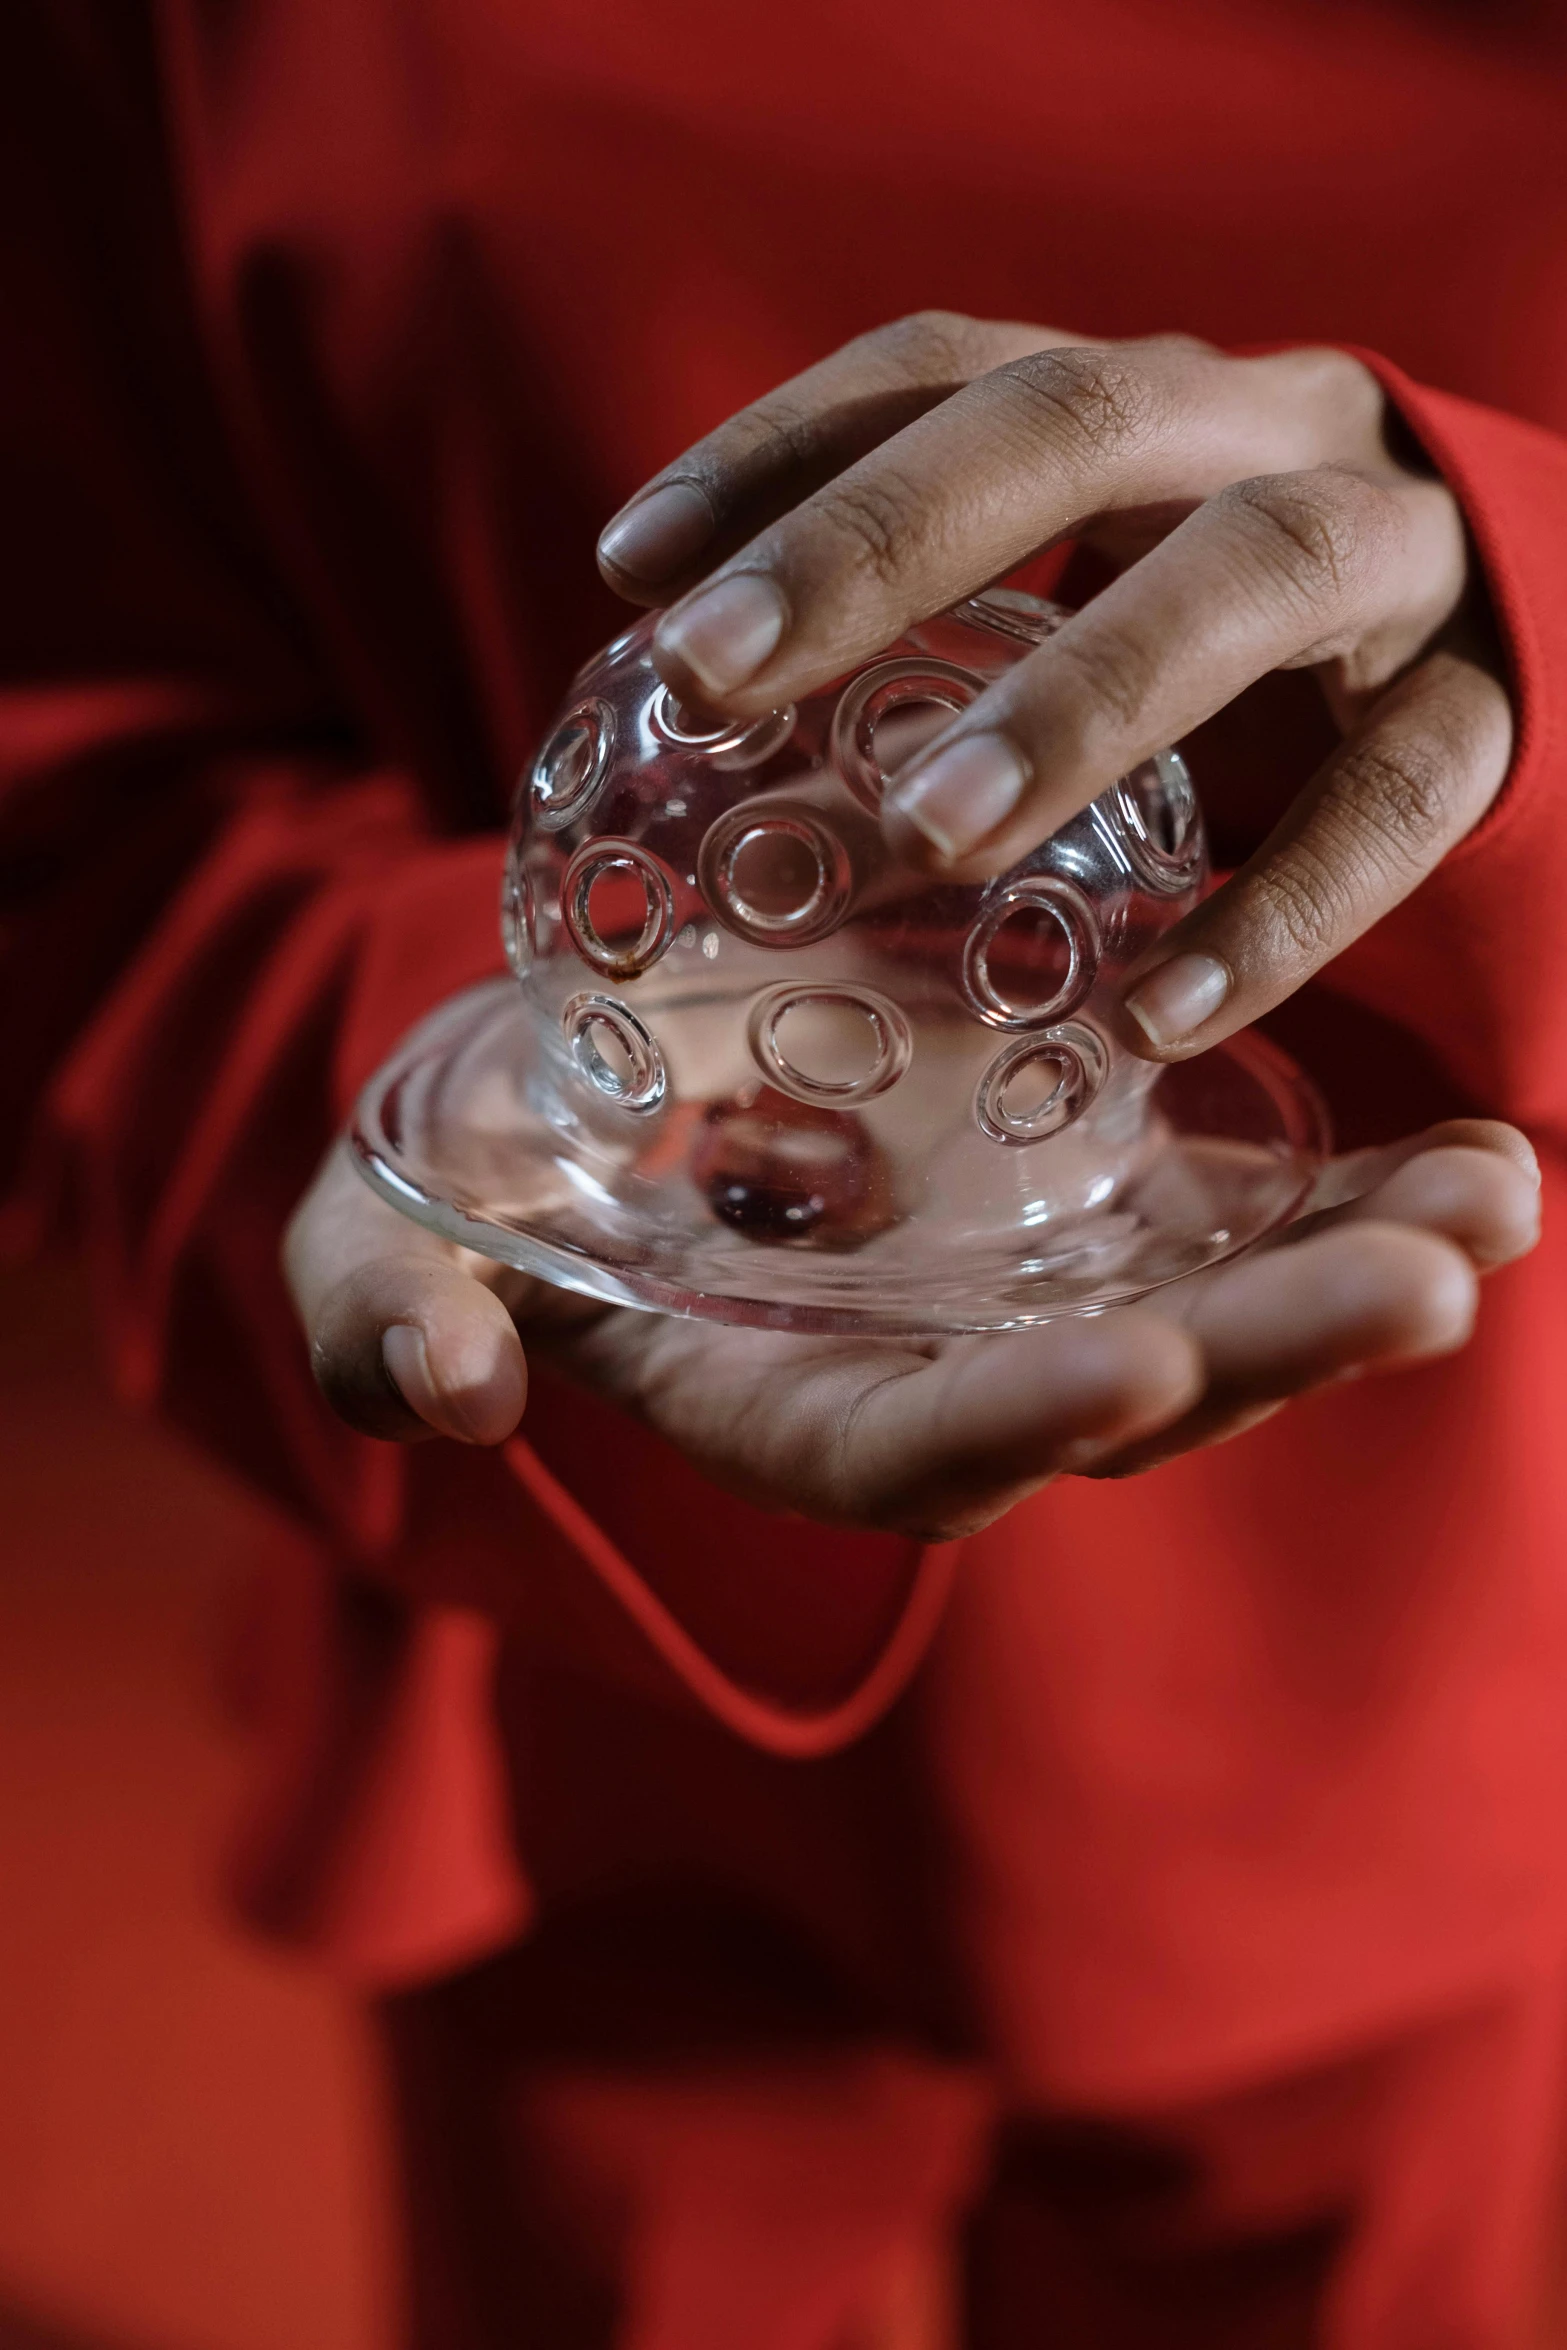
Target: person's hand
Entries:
(410, 1336)
(1262, 522)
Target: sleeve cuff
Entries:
(1510, 479)
(435, 930)
(1475, 960)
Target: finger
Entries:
(1480, 1200)
(927, 1440)
(1354, 1175)
(1005, 466)
(402, 1336)
(1404, 789)
(1367, 1293)
(1272, 573)
(1368, 1297)
(787, 444)
(405, 1340)
(991, 1420)
(1484, 1199)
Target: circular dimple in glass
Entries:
(776, 875)
(517, 917)
(615, 1053)
(618, 904)
(737, 743)
(1160, 824)
(881, 695)
(569, 770)
(1032, 954)
(1038, 1085)
(1014, 613)
(833, 1044)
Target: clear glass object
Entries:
(753, 1068)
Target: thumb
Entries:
(405, 1339)
(402, 1346)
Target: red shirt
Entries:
(336, 333)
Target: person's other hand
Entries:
(935, 1437)
(1262, 521)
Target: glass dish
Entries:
(751, 1067)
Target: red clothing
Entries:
(335, 332)
(821, 2191)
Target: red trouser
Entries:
(605, 2153)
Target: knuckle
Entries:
(1108, 676)
(1099, 398)
(1300, 905)
(878, 520)
(930, 344)
(779, 426)
(1401, 793)
(1320, 529)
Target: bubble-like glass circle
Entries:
(517, 917)
(1013, 612)
(1071, 936)
(1159, 823)
(615, 1053)
(1038, 1085)
(731, 743)
(776, 874)
(830, 1043)
(889, 687)
(636, 889)
(572, 765)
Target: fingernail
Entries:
(465, 1415)
(1177, 998)
(408, 1368)
(959, 795)
(724, 634)
(658, 535)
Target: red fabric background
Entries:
(345, 327)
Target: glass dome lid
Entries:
(750, 1066)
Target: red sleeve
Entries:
(197, 838)
(1475, 962)
(223, 900)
